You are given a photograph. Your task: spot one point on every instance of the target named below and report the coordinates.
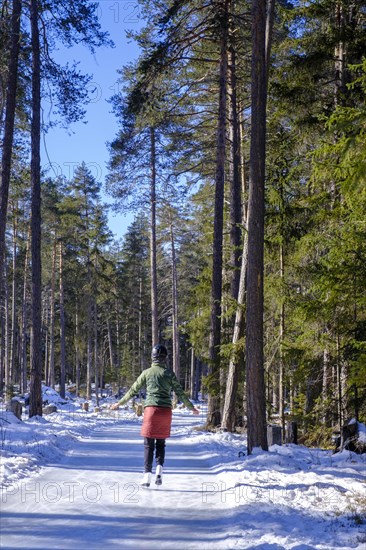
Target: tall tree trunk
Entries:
(117, 309)
(237, 358)
(96, 353)
(140, 327)
(62, 324)
(213, 412)
(229, 412)
(35, 396)
(339, 84)
(270, 14)
(339, 55)
(77, 349)
(23, 345)
(153, 268)
(281, 377)
(89, 352)
(255, 384)
(339, 384)
(8, 380)
(176, 361)
(326, 386)
(7, 145)
(235, 183)
(45, 324)
(7, 148)
(13, 331)
(238, 265)
(193, 378)
(51, 361)
(110, 345)
(2, 354)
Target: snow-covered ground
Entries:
(71, 480)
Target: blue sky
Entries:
(86, 141)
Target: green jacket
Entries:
(159, 381)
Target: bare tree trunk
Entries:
(339, 56)
(153, 269)
(117, 335)
(213, 412)
(326, 384)
(339, 384)
(89, 348)
(140, 326)
(45, 324)
(176, 358)
(193, 378)
(7, 148)
(229, 413)
(7, 145)
(281, 377)
(238, 215)
(13, 330)
(35, 396)
(77, 349)
(62, 324)
(89, 359)
(270, 13)
(2, 354)
(96, 353)
(51, 362)
(256, 400)
(110, 344)
(8, 380)
(292, 391)
(235, 183)
(23, 346)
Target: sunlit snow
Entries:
(71, 480)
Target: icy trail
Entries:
(91, 499)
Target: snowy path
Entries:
(91, 499)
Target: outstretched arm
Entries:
(181, 394)
(134, 390)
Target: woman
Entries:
(159, 381)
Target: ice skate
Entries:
(146, 480)
(159, 475)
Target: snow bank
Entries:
(31, 443)
(307, 479)
(214, 495)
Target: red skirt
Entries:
(157, 422)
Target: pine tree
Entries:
(10, 105)
(35, 398)
(255, 387)
(134, 300)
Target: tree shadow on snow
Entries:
(155, 526)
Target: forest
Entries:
(241, 151)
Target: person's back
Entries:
(158, 385)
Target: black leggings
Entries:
(151, 444)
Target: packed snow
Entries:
(71, 479)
